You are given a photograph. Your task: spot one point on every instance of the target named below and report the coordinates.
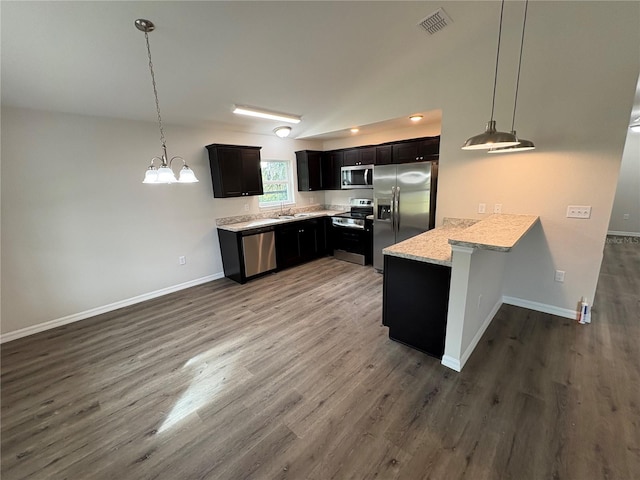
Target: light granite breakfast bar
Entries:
(474, 251)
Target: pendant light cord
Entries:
(515, 100)
(155, 93)
(495, 78)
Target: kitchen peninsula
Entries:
(443, 287)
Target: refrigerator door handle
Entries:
(397, 209)
(393, 210)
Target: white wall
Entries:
(627, 199)
(79, 229)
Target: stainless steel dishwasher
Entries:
(259, 251)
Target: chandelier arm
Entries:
(184, 163)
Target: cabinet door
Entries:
(331, 165)
(230, 172)
(406, 152)
(308, 239)
(384, 155)
(430, 148)
(351, 157)
(368, 156)
(309, 168)
(251, 172)
(287, 245)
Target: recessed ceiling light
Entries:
(268, 114)
(355, 130)
(416, 118)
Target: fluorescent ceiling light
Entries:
(268, 114)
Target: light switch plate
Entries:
(579, 211)
(559, 276)
(497, 208)
(482, 207)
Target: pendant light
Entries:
(164, 173)
(635, 125)
(491, 137)
(524, 145)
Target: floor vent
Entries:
(435, 22)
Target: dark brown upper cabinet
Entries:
(359, 156)
(235, 170)
(332, 162)
(309, 167)
(418, 150)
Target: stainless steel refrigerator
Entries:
(404, 204)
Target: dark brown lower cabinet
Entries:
(415, 302)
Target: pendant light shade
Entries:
(187, 175)
(523, 145)
(163, 174)
(635, 125)
(491, 138)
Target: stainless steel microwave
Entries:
(356, 176)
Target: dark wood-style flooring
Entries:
(292, 377)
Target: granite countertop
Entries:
(265, 222)
(498, 232)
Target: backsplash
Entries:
(273, 213)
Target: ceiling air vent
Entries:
(435, 22)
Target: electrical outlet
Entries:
(559, 277)
(578, 211)
(246, 207)
(625, 216)
(482, 207)
(497, 208)
(182, 260)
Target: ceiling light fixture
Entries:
(163, 174)
(491, 137)
(355, 130)
(282, 132)
(524, 145)
(635, 125)
(268, 114)
(416, 118)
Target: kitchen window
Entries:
(277, 183)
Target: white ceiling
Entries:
(305, 58)
(315, 59)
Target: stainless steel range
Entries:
(352, 232)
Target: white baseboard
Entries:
(451, 362)
(457, 364)
(540, 307)
(41, 327)
(623, 234)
